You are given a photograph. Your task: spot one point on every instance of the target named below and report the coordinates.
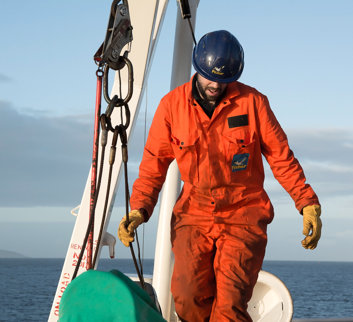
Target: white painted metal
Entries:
(163, 261)
(146, 17)
(163, 258)
(110, 241)
(271, 300)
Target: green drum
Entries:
(106, 296)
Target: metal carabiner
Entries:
(127, 116)
(106, 124)
(127, 62)
(115, 102)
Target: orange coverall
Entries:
(218, 227)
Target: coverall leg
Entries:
(216, 270)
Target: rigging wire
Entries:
(94, 187)
(144, 143)
(108, 56)
(119, 130)
(192, 31)
(186, 14)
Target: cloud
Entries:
(5, 79)
(326, 156)
(334, 146)
(44, 160)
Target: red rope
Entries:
(94, 166)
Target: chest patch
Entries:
(240, 162)
(239, 120)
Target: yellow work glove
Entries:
(126, 234)
(311, 226)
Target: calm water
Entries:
(318, 289)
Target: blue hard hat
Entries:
(219, 57)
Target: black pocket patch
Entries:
(239, 120)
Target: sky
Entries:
(298, 53)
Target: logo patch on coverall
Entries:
(240, 162)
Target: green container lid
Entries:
(106, 296)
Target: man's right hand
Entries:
(126, 232)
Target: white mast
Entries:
(146, 17)
(164, 261)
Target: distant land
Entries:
(9, 254)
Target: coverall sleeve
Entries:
(157, 156)
(284, 165)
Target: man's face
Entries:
(210, 90)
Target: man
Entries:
(217, 129)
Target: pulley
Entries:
(119, 34)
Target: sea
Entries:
(318, 289)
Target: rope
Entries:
(108, 56)
(94, 189)
(144, 143)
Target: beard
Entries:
(212, 99)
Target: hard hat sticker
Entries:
(240, 162)
(218, 70)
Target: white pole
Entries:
(146, 17)
(164, 261)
